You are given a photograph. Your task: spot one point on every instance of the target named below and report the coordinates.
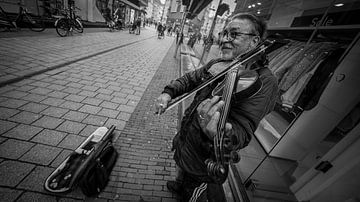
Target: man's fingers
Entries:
(200, 106)
(228, 127)
(209, 104)
(211, 127)
(215, 108)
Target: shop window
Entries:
(320, 33)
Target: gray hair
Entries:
(259, 25)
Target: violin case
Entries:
(89, 166)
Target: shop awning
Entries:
(196, 7)
(131, 4)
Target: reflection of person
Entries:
(199, 124)
(138, 25)
(160, 29)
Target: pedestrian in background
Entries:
(192, 144)
(138, 25)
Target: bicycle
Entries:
(69, 22)
(23, 18)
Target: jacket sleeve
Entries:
(246, 113)
(186, 83)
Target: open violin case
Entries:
(89, 166)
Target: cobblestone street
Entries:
(56, 91)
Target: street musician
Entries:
(193, 143)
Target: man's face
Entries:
(231, 47)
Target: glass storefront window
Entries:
(275, 160)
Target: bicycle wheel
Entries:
(35, 24)
(78, 26)
(62, 27)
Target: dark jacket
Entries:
(191, 144)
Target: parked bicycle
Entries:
(68, 22)
(23, 19)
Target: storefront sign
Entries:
(339, 18)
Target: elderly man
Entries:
(199, 124)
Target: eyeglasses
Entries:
(231, 36)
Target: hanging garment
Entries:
(274, 61)
(288, 62)
(290, 97)
(293, 60)
(311, 57)
(312, 92)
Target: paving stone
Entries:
(33, 197)
(60, 158)
(71, 141)
(39, 83)
(109, 105)
(88, 93)
(75, 116)
(2, 139)
(119, 100)
(5, 126)
(75, 85)
(108, 113)
(14, 149)
(119, 124)
(114, 87)
(35, 180)
(25, 117)
(124, 116)
(49, 137)
(55, 112)
(6, 113)
(88, 130)
(89, 87)
(90, 109)
(48, 122)
(126, 108)
(12, 172)
(95, 120)
(55, 87)
(23, 132)
(133, 97)
(75, 98)
(60, 82)
(71, 127)
(105, 91)
(15, 94)
(52, 101)
(41, 154)
(120, 95)
(104, 97)
(92, 101)
(12, 103)
(71, 105)
(7, 89)
(34, 107)
(71, 90)
(34, 98)
(58, 94)
(7, 194)
(40, 91)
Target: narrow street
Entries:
(54, 92)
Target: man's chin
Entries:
(227, 56)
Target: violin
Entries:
(249, 57)
(244, 83)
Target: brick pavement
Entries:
(45, 117)
(145, 162)
(23, 56)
